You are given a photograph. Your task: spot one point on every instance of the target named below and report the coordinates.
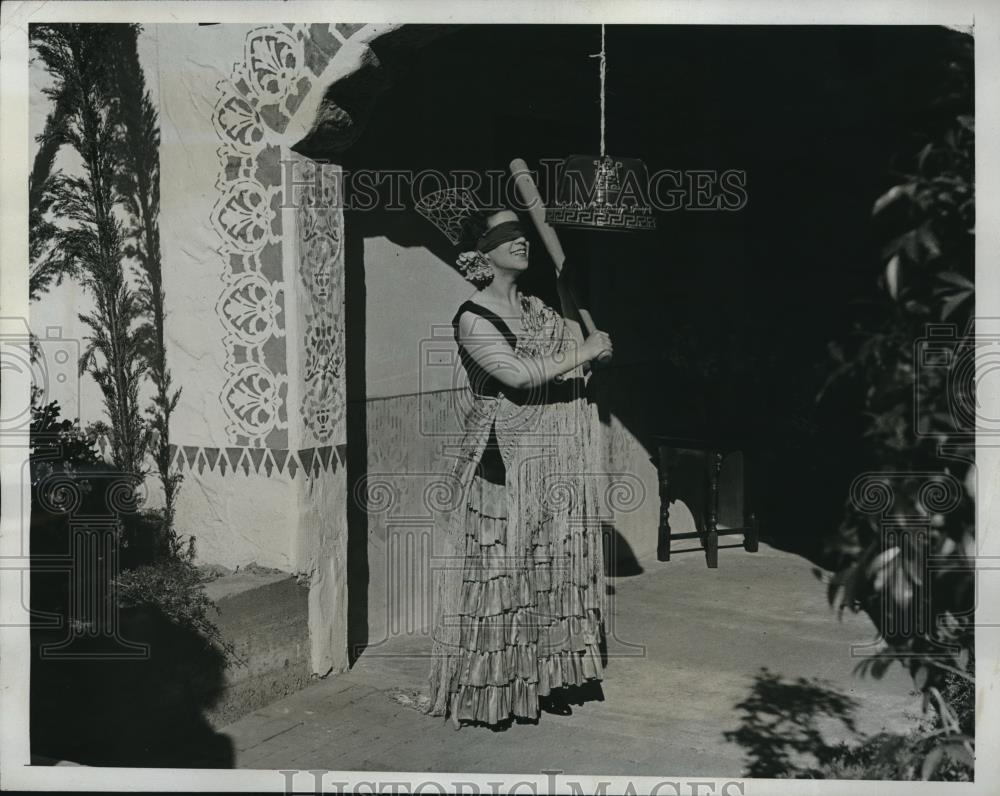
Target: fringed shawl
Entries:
(554, 480)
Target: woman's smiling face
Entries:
(512, 255)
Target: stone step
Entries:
(265, 619)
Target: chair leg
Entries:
(752, 536)
(712, 532)
(663, 537)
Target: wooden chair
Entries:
(716, 450)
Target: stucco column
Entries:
(316, 398)
(253, 279)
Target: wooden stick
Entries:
(533, 201)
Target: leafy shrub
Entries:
(69, 477)
(918, 755)
(175, 587)
(920, 445)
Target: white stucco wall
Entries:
(255, 247)
(254, 302)
(190, 61)
(409, 292)
(231, 529)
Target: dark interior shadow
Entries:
(721, 320)
(780, 725)
(717, 323)
(148, 713)
(355, 319)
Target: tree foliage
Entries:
(907, 542)
(139, 187)
(89, 227)
(87, 238)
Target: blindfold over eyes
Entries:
(501, 233)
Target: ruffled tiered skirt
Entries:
(528, 621)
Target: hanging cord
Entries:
(604, 61)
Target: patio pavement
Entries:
(704, 635)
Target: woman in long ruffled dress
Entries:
(519, 613)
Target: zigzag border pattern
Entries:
(266, 462)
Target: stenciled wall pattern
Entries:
(319, 224)
(279, 66)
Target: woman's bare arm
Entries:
(491, 352)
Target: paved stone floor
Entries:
(688, 642)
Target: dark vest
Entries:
(480, 380)
(491, 466)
